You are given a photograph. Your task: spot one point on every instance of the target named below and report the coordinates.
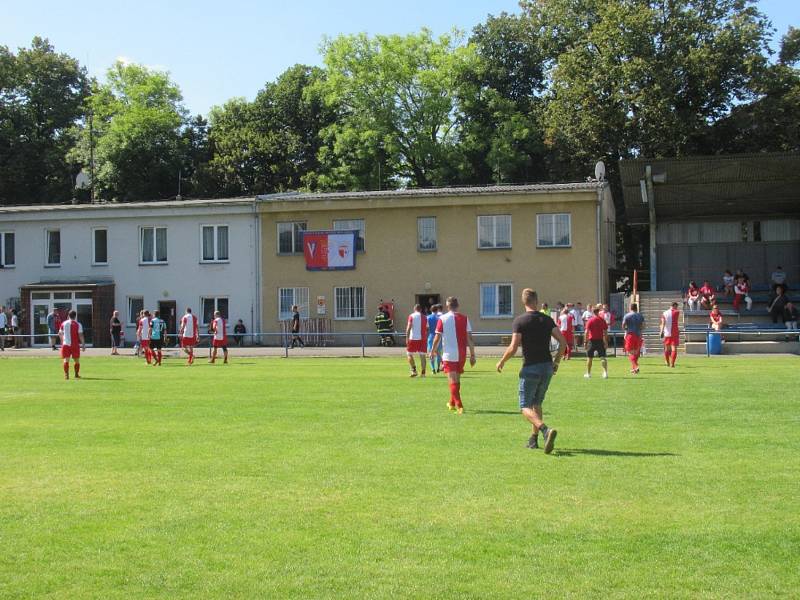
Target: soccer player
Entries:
(72, 342)
(596, 328)
(454, 333)
(633, 323)
(669, 330)
(416, 337)
(533, 331)
(567, 329)
(433, 320)
(158, 330)
(143, 335)
(296, 339)
(220, 337)
(188, 333)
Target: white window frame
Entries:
(295, 242)
(552, 227)
(336, 316)
(47, 233)
(496, 314)
(128, 313)
(494, 245)
(3, 235)
(303, 307)
(420, 220)
(361, 231)
(216, 259)
(201, 317)
(155, 260)
(94, 251)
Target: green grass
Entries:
(321, 478)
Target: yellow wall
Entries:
(392, 268)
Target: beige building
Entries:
(482, 245)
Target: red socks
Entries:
(674, 356)
(158, 355)
(455, 394)
(66, 368)
(634, 360)
(148, 355)
(77, 369)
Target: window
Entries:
(7, 258)
(53, 248)
(494, 231)
(348, 303)
(426, 234)
(99, 246)
(215, 243)
(288, 297)
(352, 225)
(290, 237)
(153, 245)
(213, 304)
(554, 231)
(496, 300)
(135, 306)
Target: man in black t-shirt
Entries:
(296, 339)
(533, 331)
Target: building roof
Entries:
(163, 204)
(736, 185)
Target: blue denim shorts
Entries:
(533, 383)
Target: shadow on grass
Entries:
(495, 412)
(599, 452)
(84, 378)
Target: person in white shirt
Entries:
(15, 329)
(778, 278)
(3, 325)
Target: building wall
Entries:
(184, 279)
(392, 268)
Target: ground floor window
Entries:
(291, 296)
(135, 306)
(348, 303)
(496, 300)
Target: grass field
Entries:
(321, 478)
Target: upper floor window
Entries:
(53, 249)
(215, 243)
(554, 230)
(153, 245)
(494, 231)
(426, 234)
(352, 225)
(7, 241)
(290, 237)
(99, 246)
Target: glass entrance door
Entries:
(40, 312)
(60, 303)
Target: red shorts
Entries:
(449, 366)
(416, 347)
(219, 343)
(633, 343)
(570, 337)
(73, 352)
(188, 341)
(144, 343)
(672, 341)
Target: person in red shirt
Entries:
(670, 332)
(596, 328)
(188, 333)
(566, 325)
(219, 337)
(716, 318)
(741, 291)
(416, 339)
(707, 296)
(72, 342)
(693, 296)
(454, 333)
(143, 335)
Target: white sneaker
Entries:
(605, 375)
(587, 375)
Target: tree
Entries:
(41, 98)
(137, 128)
(395, 102)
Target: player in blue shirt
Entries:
(633, 323)
(433, 319)
(158, 328)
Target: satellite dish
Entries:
(83, 181)
(600, 171)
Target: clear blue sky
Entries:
(218, 50)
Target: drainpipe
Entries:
(599, 249)
(256, 318)
(651, 209)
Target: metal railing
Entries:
(789, 335)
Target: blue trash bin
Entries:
(714, 343)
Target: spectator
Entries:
(693, 296)
(385, 326)
(587, 314)
(779, 279)
(716, 318)
(727, 283)
(238, 330)
(742, 292)
(115, 328)
(790, 316)
(777, 304)
(15, 329)
(740, 273)
(545, 310)
(576, 310)
(707, 296)
(3, 325)
(52, 327)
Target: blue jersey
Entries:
(632, 323)
(433, 319)
(158, 326)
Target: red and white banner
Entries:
(329, 250)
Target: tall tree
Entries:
(41, 98)
(395, 102)
(137, 129)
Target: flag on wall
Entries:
(329, 250)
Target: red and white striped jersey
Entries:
(144, 325)
(419, 326)
(671, 322)
(454, 328)
(71, 330)
(189, 325)
(219, 330)
(565, 323)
